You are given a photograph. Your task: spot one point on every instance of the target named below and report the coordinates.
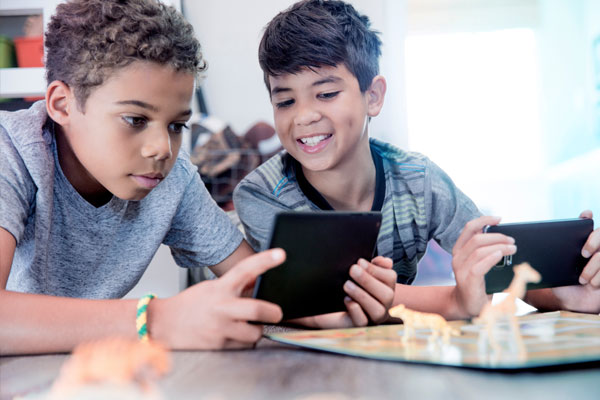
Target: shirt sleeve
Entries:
(256, 208)
(448, 207)
(17, 190)
(201, 234)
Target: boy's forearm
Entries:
(243, 251)
(31, 323)
(431, 299)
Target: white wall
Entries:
(230, 31)
(163, 277)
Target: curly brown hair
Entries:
(88, 40)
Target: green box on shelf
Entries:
(7, 54)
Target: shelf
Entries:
(25, 82)
(21, 7)
(29, 7)
(22, 82)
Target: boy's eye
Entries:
(329, 95)
(135, 122)
(283, 104)
(177, 127)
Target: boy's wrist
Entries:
(156, 329)
(454, 307)
(458, 308)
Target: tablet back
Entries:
(320, 247)
(553, 248)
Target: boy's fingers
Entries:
(595, 281)
(480, 242)
(592, 244)
(381, 261)
(380, 289)
(325, 321)
(483, 252)
(242, 332)
(369, 304)
(473, 227)
(247, 270)
(234, 345)
(482, 266)
(245, 309)
(356, 313)
(385, 275)
(587, 214)
(591, 272)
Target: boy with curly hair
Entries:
(93, 181)
(320, 63)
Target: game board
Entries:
(551, 339)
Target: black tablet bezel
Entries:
(320, 249)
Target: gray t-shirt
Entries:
(67, 247)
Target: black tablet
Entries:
(553, 248)
(321, 247)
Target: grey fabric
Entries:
(421, 203)
(67, 247)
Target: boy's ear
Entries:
(60, 101)
(375, 95)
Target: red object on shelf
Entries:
(30, 54)
(30, 51)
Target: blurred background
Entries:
(504, 95)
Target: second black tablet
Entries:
(553, 248)
(321, 247)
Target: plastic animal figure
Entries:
(507, 308)
(116, 364)
(415, 319)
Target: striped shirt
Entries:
(421, 203)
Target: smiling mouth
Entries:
(314, 140)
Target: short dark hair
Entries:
(316, 33)
(87, 40)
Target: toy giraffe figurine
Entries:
(415, 319)
(507, 308)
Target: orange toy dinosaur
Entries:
(113, 362)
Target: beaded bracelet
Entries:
(142, 316)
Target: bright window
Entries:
(472, 107)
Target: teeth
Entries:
(313, 140)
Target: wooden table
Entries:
(277, 371)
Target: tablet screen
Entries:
(320, 247)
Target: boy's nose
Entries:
(306, 116)
(158, 146)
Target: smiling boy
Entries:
(93, 181)
(320, 65)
